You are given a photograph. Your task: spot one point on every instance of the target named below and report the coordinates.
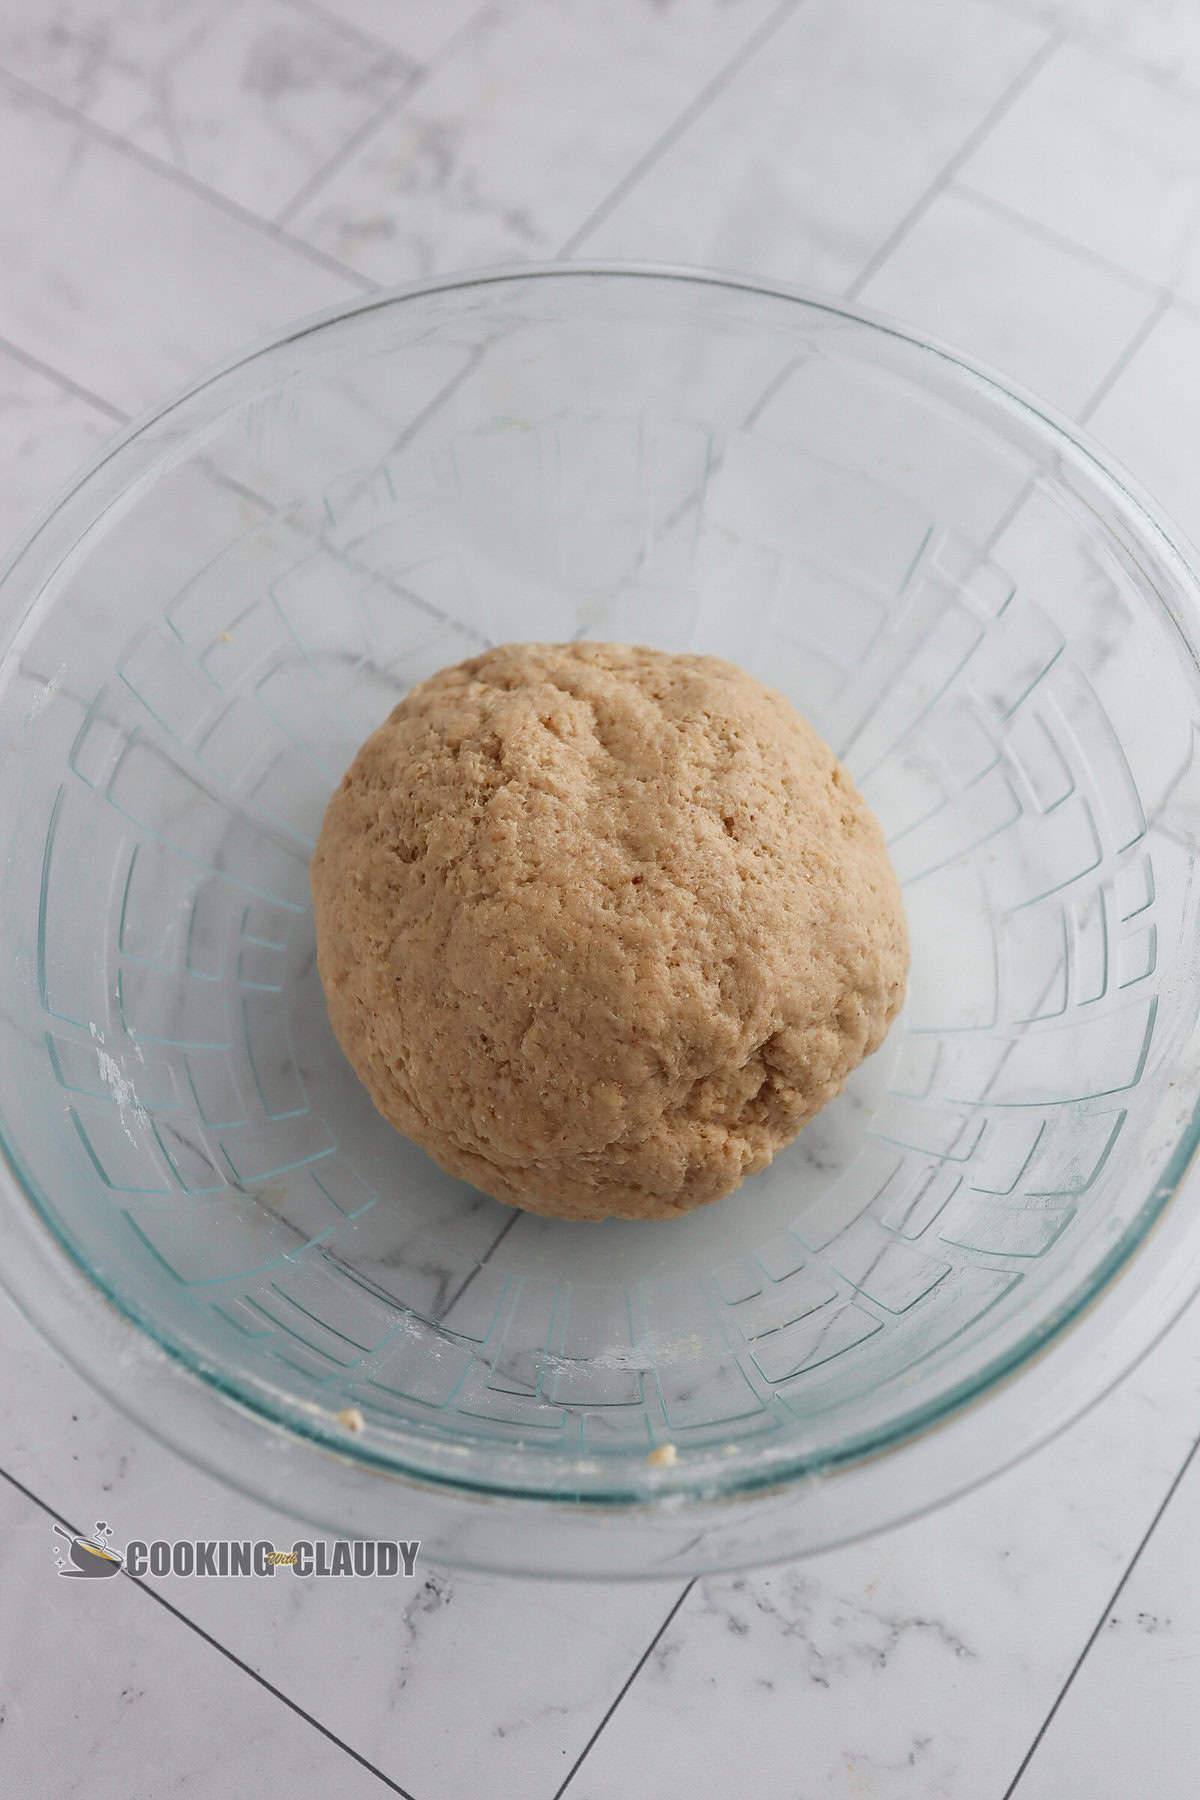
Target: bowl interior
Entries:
(966, 607)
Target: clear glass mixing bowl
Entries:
(201, 1205)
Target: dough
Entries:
(601, 927)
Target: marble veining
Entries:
(68, 1727)
(1019, 175)
(804, 164)
(454, 176)
(953, 1633)
(1107, 157)
(126, 282)
(250, 97)
(46, 433)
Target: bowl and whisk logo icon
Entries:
(88, 1557)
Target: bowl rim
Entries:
(30, 1277)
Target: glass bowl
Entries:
(200, 1205)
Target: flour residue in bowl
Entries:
(119, 1086)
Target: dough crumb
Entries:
(351, 1417)
(665, 1456)
(601, 928)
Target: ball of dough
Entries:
(601, 928)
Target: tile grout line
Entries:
(1037, 228)
(313, 9)
(966, 149)
(622, 1691)
(1093, 40)
(414, 80)
(1081, 416)
(334, 163)
(691, 112)
(70, 115)
(1063, 1691)
(1012, 215)
(1094, 43)
(1105, 386)
(313, 183)
(229, 1655)
(65, 382)
(448, 1306)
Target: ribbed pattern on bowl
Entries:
(848, 517)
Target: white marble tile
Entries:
(418, 28)
(921, 1664)
(1107, 158)
(433, 1682)
(121, 278)
(1127, 1725)
(1150, 419)
(60, 1437)
(542, 107)
(105, 1696)
(842, 1672)
(1162, 35)
(818, 147)
(532, 1667)
(45, 434)
(250, 97)
(1048, 318)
